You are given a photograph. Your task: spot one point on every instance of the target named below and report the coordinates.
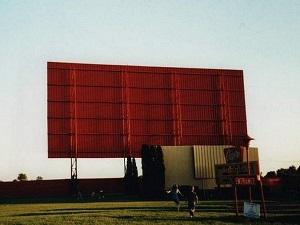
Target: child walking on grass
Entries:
(192, 200)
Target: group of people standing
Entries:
(191, 198)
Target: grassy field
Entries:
(125, 211)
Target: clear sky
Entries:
(262, 38)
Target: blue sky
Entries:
(259, 37)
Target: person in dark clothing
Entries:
(192, 200)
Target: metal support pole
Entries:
(247, 140)
(126, 133)
(248, 169)
(73, 133)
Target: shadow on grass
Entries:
(203, 208)
(46, 200)
(66, 211)
(207, 220)
(231, 219)
(291, 219)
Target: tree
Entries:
(39, 178)
(290, 178)
(153, 171)
(271, 174)
(131, 176)
(147, 167)
(285, 172)
(292, 169)
(134, 176)
(22, 177)
(159, 172)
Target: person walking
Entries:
(192, 200)
(175, 192)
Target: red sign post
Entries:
(238, 173)
(248, 180)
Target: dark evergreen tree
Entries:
(146, 167)
(131, 176)
(128, 176)
(160, 172)
(153, 171)
(134, 177)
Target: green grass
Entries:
(124, 211)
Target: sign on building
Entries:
(234, 154)
(226, 173)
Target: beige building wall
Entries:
(179, 166)
(195, 165)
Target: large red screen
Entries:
(109, 111)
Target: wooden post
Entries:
(263, 198)
(236, 201)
